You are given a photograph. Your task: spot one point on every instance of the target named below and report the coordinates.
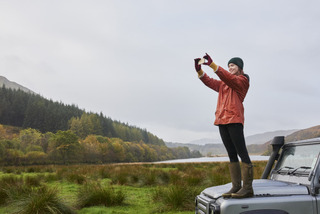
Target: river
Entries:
(212, 159)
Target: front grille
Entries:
(205, 205)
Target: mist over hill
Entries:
(265, 137)
(256, 144)
(260, 138)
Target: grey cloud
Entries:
(134, 60)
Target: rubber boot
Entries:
(247, 174)
(235, 173)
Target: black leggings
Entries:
(233, 139)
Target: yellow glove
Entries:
(200, 73)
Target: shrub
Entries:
(120, 175)
(11, 180)
(104, 172)
(15, 192)
(93, 194)
(71, 174)
(218, 179)
(175, 177)
(176, 197)
(258, 168)
(39, 200)
(76, 178)
(150, 178)
(3, 195)
(10, 184)
(33, 180)
(51, 177)
(195, 177)
(164, 177)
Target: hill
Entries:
(260, 138)
(29, 110)
(30, 147)
(308, 133)
(35, 130)
(206, 150)
(265, 137)
(256, 144)
(12, 85)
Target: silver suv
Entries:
(291, 187)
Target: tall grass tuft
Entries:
(6, 182)
(195, 177)
(33, 180)
(94, 194)
(51, 177)
(176, 197)
(3, 196)
(11, 180)
(76, 178)
(38, 200)
(175, 177)
(163, 177)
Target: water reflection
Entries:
(212, 159)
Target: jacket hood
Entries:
(262, 187)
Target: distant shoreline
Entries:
(211, 159)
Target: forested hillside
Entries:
(34, 130)
(21, 109)
(29, 146)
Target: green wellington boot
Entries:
(235, 173)
(247, 175)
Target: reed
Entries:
(94, 194)
(34, 180)
(176, 197)
(38, 200)
(171, 186)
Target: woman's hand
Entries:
(208, 58)
(210, 62)
(198, 67)
(196, 64)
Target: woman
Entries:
(232, 88)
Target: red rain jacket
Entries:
(232, 90)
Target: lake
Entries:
(212, 159)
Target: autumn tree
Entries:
(86, 125)
(65, 146)
(30, 140)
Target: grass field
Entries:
(114, 188)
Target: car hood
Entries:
(262, 187)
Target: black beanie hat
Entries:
(237, 61)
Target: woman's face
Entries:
(234, 69)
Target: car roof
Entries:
(301, 142)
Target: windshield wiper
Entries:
(285, 167)
(300, 167)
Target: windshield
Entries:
(295, 159)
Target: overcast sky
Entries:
(133, 60)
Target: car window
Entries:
(303, 157)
